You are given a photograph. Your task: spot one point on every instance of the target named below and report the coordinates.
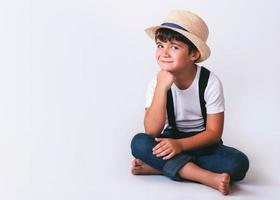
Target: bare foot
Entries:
(139, 167)
(217, 181)
(221, 182)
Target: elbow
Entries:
(217, 140)
(151, 132)
(153, 129)
(215, 136)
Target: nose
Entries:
(165, 52)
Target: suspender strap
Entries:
(203, 80)
(170, 110)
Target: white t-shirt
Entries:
(187, 105)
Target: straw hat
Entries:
(188, 24)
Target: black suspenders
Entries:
(170, 110)
(203, 80)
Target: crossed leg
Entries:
(215, 170)
(190, 171)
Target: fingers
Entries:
(163, 153)
(164, 148)
(159, 139)
(169, 156)
(159, 145)
(160, 149)
(161, 142)
(167, 153)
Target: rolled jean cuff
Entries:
(172, 166)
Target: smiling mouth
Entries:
(163, 61)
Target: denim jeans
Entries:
(216, 158)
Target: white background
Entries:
(73, 77)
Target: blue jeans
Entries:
(216, 158)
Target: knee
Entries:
(139, 144)
(240, 166)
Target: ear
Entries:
(195, 55)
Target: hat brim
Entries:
(202, 47)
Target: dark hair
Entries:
(165, 34)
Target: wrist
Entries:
(163, 88)
(180, 144)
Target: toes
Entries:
(226, 178)
(225, 192)
(133, 163)
(137, 167)
(224, 184)
(138, 162)
(225, 189)
(134, 171)
(137, 170)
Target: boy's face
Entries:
(174, 56)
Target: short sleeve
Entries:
(214, 95)
(150, 92)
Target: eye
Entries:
(159, 46)
(174, 47)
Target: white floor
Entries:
(80, 167)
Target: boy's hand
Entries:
(165, 79)
(167, 147)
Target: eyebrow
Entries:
(176, 43)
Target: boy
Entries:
(184, 112)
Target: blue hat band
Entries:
(172, 25)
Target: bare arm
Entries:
(212, 134)
(155, 115)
